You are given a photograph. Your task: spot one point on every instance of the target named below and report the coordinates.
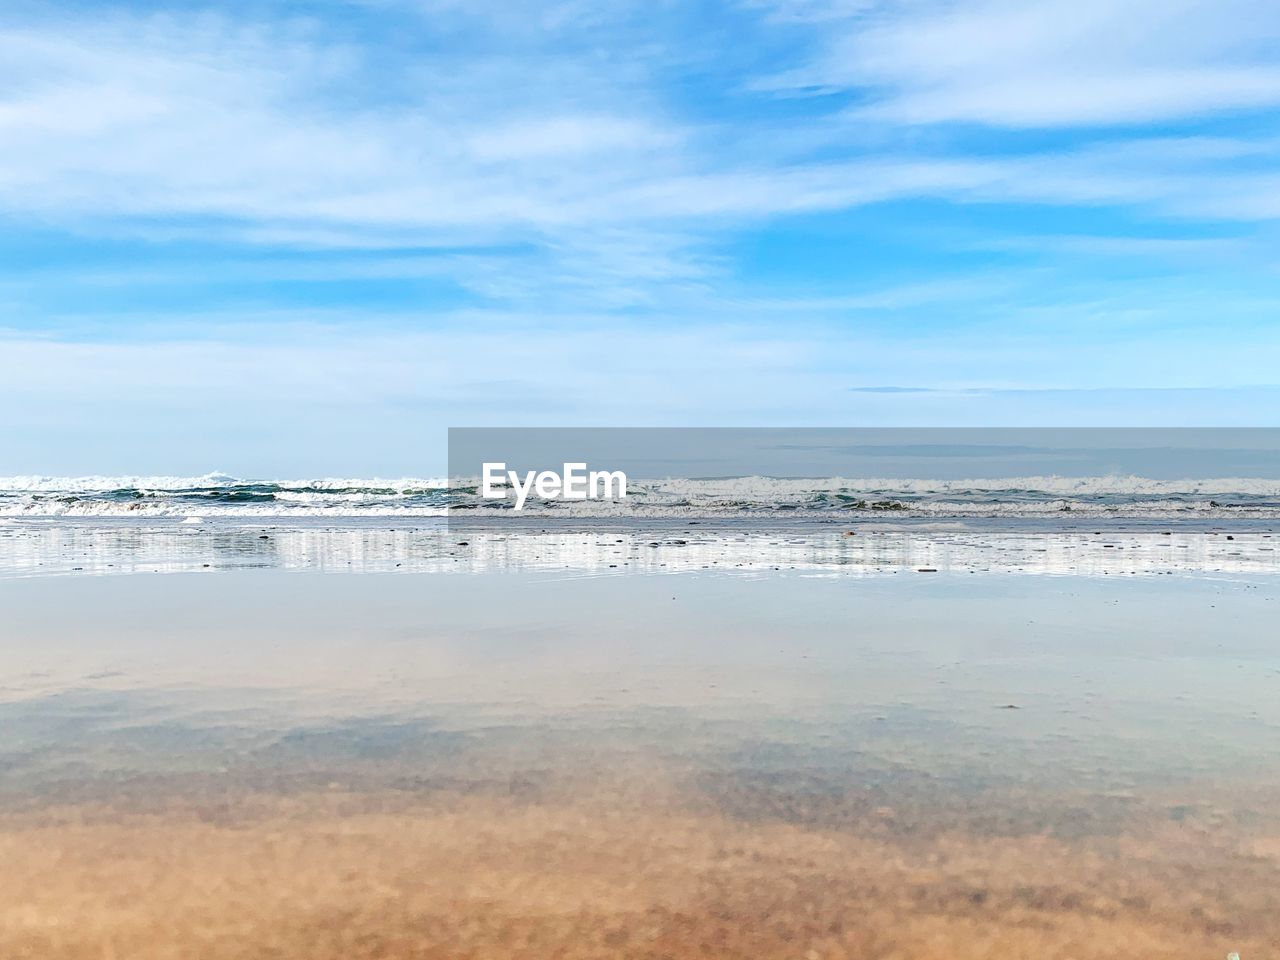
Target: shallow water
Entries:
(1061, 744)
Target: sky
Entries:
(303, 239)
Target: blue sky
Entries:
(290, 239)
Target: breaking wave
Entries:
(218, 495)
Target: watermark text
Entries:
(575, 482)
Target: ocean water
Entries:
(217, 495)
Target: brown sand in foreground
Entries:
(349, 875)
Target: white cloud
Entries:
(160, 117)
(1047, 63)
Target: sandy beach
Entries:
(762, 763)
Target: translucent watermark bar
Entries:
(522, 475)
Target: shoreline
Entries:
(59, 547)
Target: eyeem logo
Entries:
(575, 483)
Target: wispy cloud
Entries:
(166, 116)
(1044, 63)
(280, 130)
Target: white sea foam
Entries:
(217, 495)
(764, 488)
(103, 484)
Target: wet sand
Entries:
(642, 867)
(303, 766)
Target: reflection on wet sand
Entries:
(865, 549)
